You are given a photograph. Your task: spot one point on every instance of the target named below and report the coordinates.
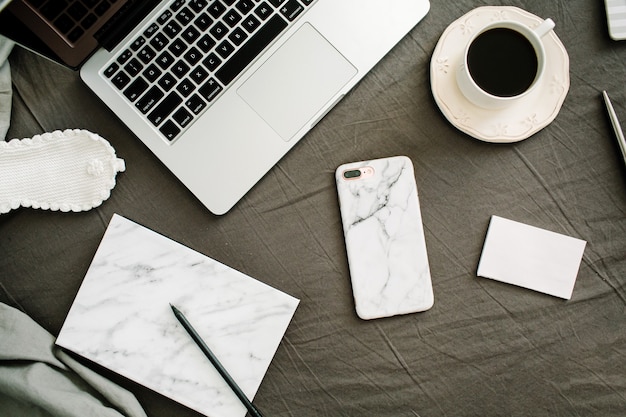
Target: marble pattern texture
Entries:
(121, 319)
(384, 238)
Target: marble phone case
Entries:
(384, 237)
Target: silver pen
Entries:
(616, 125)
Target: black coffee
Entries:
(502, 62)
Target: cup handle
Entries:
(545, 27)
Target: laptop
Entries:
(218, 90)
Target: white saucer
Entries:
(522, 119)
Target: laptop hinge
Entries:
(123, 22)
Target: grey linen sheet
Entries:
(39, 379)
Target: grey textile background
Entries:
(39, 379)
(485, 348)
(6, 92)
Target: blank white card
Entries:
(531, 257)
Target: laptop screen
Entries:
(69, 32)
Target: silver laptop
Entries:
(219, 90)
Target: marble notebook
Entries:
(121, 319)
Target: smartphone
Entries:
(384, 237)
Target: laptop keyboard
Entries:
(189, 55)
(72, 18)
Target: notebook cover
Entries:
(121, 319)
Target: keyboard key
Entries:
(182, 117)
(75, 34)
(177, 47)
(88, 21)
(180, 69)
(190, 34)
(177, 5)
(231, 18)
(111, 69)
(291, 9)
(238, 36)
(64, 23)
(52, 9)
(185, 87)
(149, 100)
(151, 30)
(199, 74)
(102, 8)
(124, 56)
(263, 11)
(212, 62)
(193, 56)
(185, 16)
(198, 5)
(225, 48)
(195, 104)
(219, 30)
(136, 89)
(203, 22)
(159, 41)
(172, 29)
(169, 130)
(152, 73)
(206, 43)
(165, 16)
(216, 9)
(120, 80)
(165, 60)
(276, 3)
(245, 6)
(133, 67)
(77, 11)
(240, 59)
(210, 90)
(138, 43)
(146, 55)
(251, 23)
(165, 108)
(167, 81)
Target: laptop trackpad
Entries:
(297, 81)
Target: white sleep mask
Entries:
(70, 170)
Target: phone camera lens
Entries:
(353, 173)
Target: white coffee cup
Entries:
(471, 86)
